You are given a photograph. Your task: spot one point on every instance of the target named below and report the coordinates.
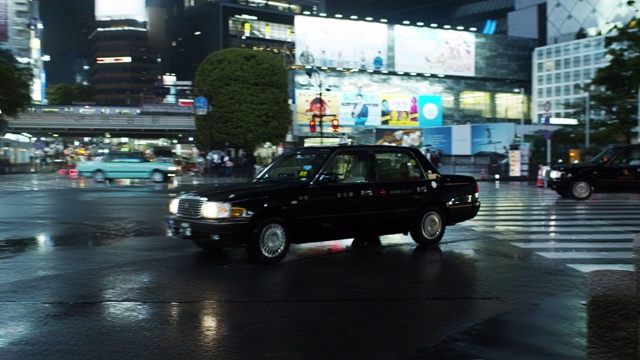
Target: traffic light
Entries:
(312, 125)
(335, 124)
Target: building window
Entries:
(475, 103)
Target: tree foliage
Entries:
(67, 94)
(616, 85)
(248, 93)
(15, 80)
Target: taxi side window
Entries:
(349, 167)
(397, 166)
(628, 157)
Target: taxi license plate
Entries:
(185, 229)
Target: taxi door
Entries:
(401, 188)
(343, 200)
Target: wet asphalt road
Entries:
(86, 272)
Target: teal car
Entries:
(126, 165)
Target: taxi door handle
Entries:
(422, 189)
(366, 193)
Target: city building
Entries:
(127, 48)
(563, 69)
(21, 34)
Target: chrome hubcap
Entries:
(273, 240)
(431, 225)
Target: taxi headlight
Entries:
(172, 168)
(173, 205)
(555, 174)
(215, 210)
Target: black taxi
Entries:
(326, 193)
(614, 169)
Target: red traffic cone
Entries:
(540, 181)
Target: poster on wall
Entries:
(434, 51)
(430, 110)
(470, 139)
(340, 43)
(397, 110)
(359, 109)
(400, 137)
(494, 138)
(439, 139)
(309, 103)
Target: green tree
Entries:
(67, 94)
(248, 93)
(616, 86)
(15, 80)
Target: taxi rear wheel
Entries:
(270, 241)
(581, 190)
(429, 227)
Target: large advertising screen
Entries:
(340, 43)
(434, 51)
(118, 9)
(374, 46)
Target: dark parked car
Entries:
(616, 169)
(327, 193)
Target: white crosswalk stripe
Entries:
(597, 234)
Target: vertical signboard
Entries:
(515, 163)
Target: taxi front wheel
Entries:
(581, 190)
(270, 241)
(429, 227)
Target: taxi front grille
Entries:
(190, 207)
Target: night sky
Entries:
(65, 25)
(427, 11)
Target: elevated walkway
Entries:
(119, 121)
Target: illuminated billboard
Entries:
(340, 43)
(434, 51)
(106, 10)
(375, 46)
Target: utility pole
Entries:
(587, 119)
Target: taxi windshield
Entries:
(295, 165)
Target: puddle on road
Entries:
(83, 235)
